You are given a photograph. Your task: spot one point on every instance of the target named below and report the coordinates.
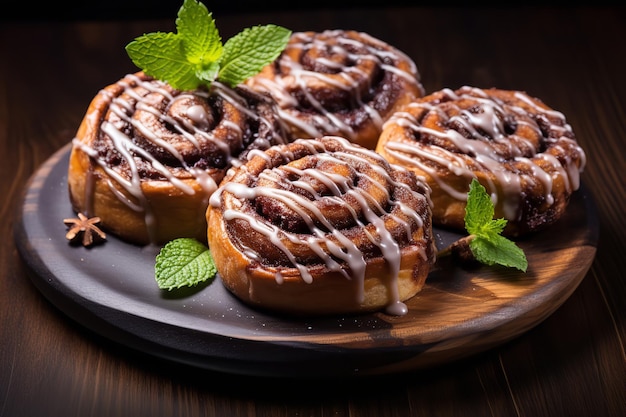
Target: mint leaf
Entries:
(198, 32)
(186, 59)
(486, 243)
(195, 56)
(246, 53)
(479, 209)
(183, 262)
(498, 250)
(209, 74)
(161, 56)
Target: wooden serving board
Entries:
(110, 289)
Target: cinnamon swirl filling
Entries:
(142, 141)
(317, 214)
(521, 150)
(337, 82)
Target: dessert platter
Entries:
(110, 290)
(328, 188)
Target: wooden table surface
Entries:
(571, 364)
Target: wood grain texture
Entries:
(572, 364)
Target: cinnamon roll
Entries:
(146, 157)
(522, 151)
(321, 226)
(337, 82)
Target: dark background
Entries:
(146, 9)
(21, 10)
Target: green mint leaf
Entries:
(498, 250)
(161, 56)
(246, 53)
(487, 245)
(183, 262)
(201, 40)
(208, 74)
(186, 59)
(492, 228)
(195, 55)
(479, 209)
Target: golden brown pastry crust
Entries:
(146, 157)
(339, 82)
(321, 226)
(521, 150)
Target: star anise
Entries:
(85, 227)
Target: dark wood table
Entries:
(571, 364)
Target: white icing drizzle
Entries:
(491, 148)
(331, 244)
(191, 133)
(345, 76)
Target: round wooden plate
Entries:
(110, 289)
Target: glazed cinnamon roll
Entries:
(522, 151)
(337, 82)
(321, 226)
(147, 157)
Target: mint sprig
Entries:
(484, 239)
(195, 56)
(183, 262)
